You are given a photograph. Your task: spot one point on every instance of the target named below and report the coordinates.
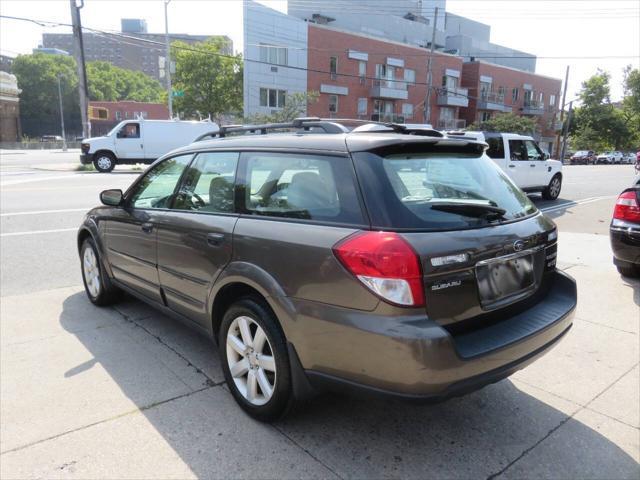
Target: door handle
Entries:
(215, 239)
(147, 227)
(532, 165)
(512, 166)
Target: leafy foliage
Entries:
(507, 122)
(212, 83)
(295, 105)
(598, 124)
(37, 76)
(110, 83)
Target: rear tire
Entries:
(553, 189)
(97, 284)
(252, 344)
(104, 162)
(632, 271)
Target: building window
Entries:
(362, 106)
(552, 100)
(272, 98)
(449, 82)
(333, 104)
(485, 90)
(501, 92)
(409, 75)
(407, 110)
(541, 99)
(485, 116)
(118, 115)
(274, 55)
(514, 95)
(362, 71)
(333, 67)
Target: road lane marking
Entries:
(41, 212)
(584, 201)
(38, 232)
(39, 179)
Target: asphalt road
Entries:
(127, 393)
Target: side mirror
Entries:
(112, 198)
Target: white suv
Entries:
(610, 157)
(523, 160)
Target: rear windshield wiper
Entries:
(480, 210)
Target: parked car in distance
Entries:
(583, 157)
(303, 253)
(625, 231)
(523, 160)
(609, 158)
(50, 138)
(628, 158)
(140, 141)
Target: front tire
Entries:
(97, 284)
(553, 189)
(255, 361)
(104, 162)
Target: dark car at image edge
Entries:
(624, 231)
(378, 259)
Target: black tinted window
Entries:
(518, 150)
(310, 187)
(208, 185)
(496, 147)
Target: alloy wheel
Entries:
(104, 163)
(91, 272)
(554, 188)
(250, 360)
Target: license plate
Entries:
(500, 279)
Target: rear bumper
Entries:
(625, 244)
(86, 158)
(414, 358)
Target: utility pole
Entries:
(427, 99)
(78, 48)
(64, 135)
(167, 62)
(565, 131)
(564, 98)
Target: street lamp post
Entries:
(167, 62)
(64, 136)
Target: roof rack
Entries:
(304, 123)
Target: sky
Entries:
(547, 28)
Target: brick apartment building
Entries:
(106, 115)
(375, 73)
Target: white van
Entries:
(523, 160)
(140, 141)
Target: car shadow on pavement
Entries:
(506, 427)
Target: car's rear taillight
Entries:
(627, 207)
(386, 264)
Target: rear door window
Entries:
(300, 186)
(496, 147)
(518, 150)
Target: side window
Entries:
(496, 147)
(310, 187)
(209, 183)
(533, 151)
(518, 150)
(156, 189)
(130, 130)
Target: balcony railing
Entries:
(493, 101)
(453, 97)
(533, 107)
(383, 88)
(451, 124)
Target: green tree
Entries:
(507, 122)
(598, 124)
(631, 103)
(37, 77)
(295, 105)
(110, 83)
(211, 82)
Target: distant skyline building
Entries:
(133, 49)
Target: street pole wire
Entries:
(427, 108)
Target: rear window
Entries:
(436, 191)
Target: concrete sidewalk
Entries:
(125, 392)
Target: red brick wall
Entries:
(509, 78)
(324, 43)
(155, 111)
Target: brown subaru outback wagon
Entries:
(382, 259)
